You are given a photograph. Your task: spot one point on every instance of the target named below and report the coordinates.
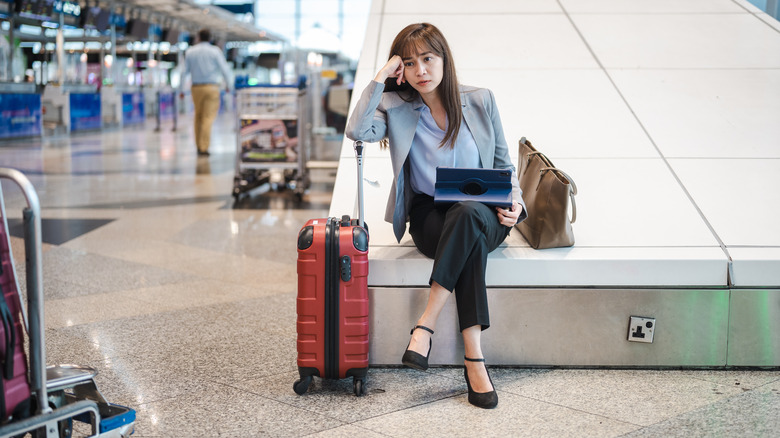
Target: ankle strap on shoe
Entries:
(473, 360)
(421, 327)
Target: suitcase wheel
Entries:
(302, 385)
(359, 386)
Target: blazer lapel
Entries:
(478, 131)
(401, 133)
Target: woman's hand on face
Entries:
(393, 69)
(508, 216)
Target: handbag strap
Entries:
(572, 188)
(529, 156)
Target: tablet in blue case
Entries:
(489, 186)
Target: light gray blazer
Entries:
(380, 115)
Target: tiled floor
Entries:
(185, 302)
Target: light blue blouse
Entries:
(426, 154)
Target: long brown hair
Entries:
(423, 37)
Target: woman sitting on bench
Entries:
(415, 106)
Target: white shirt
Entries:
(205, 63)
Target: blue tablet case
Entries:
(489, 186)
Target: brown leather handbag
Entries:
(547, 192)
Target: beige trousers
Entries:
(206, 100)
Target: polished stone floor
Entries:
(185, 304)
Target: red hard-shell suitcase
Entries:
(332, 302)
(14, 385)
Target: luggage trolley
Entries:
(63, 393)
(270, 138)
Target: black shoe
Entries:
(203, 154)
(415, 360)
(484, 400)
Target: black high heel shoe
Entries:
(484, 400)
(413, 359)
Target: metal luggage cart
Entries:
(272, 145)
(64, 394)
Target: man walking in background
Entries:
(205, 63)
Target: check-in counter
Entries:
(150, 101)
(71, 107)
(166, 103)
(111, 106)
(133, 106)
(20, 110)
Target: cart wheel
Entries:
(359, 387)
(302, 385)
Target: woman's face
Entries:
(424, 71)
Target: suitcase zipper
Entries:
(332, 278)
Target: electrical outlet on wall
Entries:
(641, 329)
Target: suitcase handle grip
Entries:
(359, 156)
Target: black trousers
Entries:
(458, 238)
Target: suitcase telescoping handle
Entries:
(359, 155)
